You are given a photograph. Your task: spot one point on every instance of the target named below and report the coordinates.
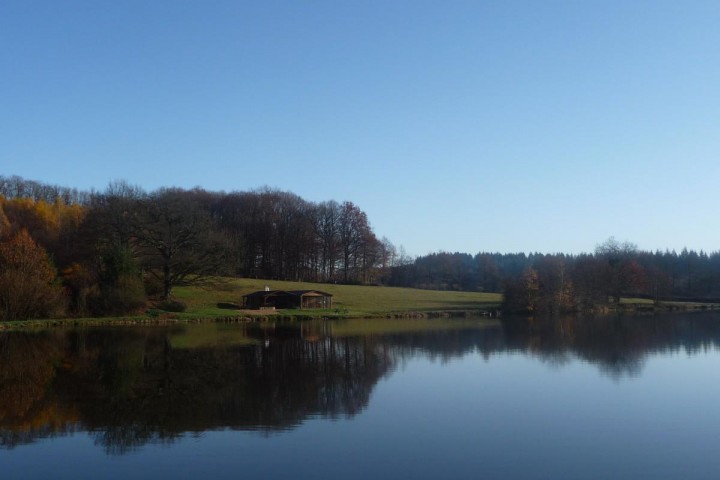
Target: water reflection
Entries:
(131, 386)
(616, 345)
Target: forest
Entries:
(65, 252)
(68, 252)
(555, 283)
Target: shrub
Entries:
(125, 296)
(153, 286)
(121, 289)
(172, 306)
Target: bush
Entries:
(120, 290)
(153, 286)
(172, 306)
(125, 296)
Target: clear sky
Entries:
(456, 125)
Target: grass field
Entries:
(222, 301)
(644, 303)
(362, 301)
(348, 300)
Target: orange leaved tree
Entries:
(27, 280)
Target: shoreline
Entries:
(180, 319)
(245, 316)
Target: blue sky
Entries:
(456, 125)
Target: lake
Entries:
(570, 398)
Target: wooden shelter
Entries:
(302, 299)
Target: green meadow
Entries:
(384, 304)
(348, 300)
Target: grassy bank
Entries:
(348, 300)
(222, 302)
(646, 305)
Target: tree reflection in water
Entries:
(132, 386)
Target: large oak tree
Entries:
(176, 239)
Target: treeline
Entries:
(563, 283)
(101, 253)
(70, 252)
(18, 187)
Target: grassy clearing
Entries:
(348, 300)
(647, 304)
(223, 301)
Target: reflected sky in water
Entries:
(614, 398)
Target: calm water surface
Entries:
(573, 398)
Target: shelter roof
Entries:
(296, 293)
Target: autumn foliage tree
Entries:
(28, 287)
(53, 225)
